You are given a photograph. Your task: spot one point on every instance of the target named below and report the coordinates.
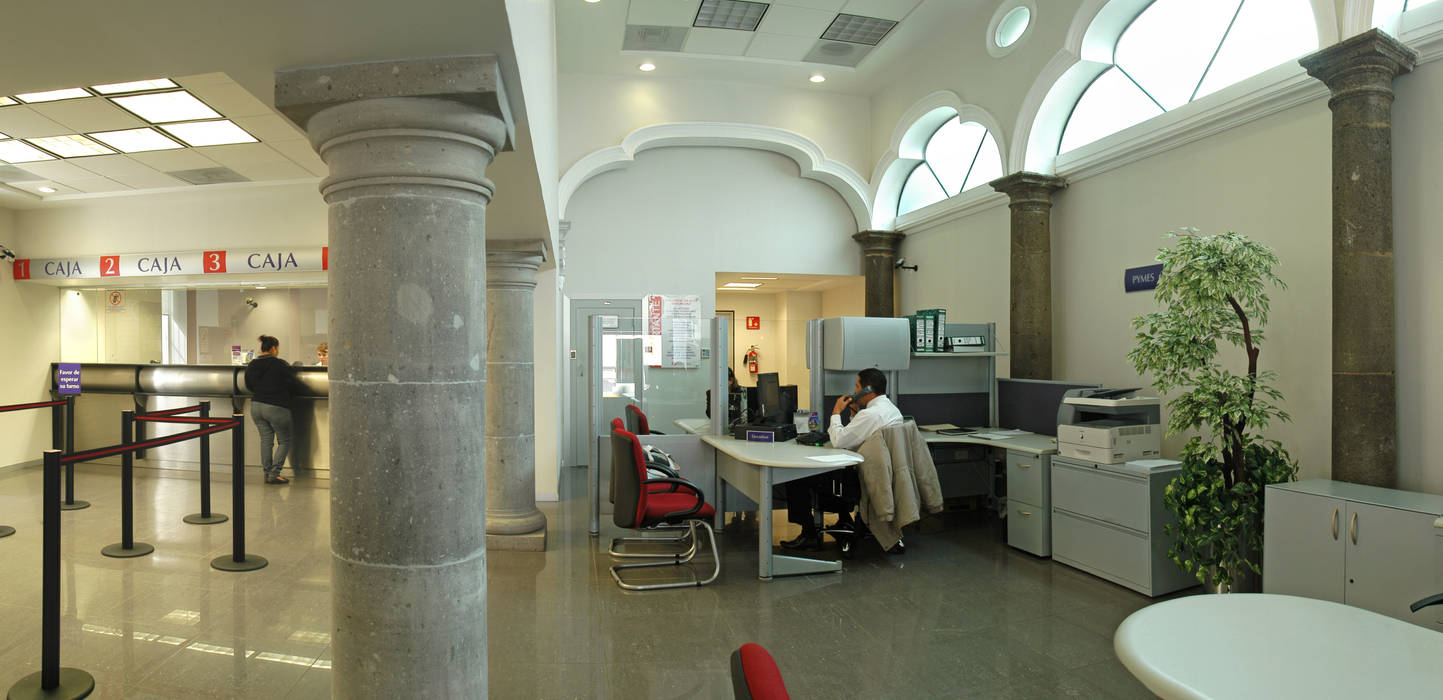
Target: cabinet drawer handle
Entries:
(1353, 528)
(1023, 465)
(1024, 512)
(1335, 524)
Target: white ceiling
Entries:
(590, 40)
(782, 282)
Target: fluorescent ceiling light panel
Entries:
(742, 285)
(857, 29)
(161, 107)
(730, 14)
(3, 137)
(758, 278)
(134, 86)
(52, 95)
(135, 140)
(6, 102)
(21, 152)
(70, 146)
(211, 133)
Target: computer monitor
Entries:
(1031, 404)
(769, 390)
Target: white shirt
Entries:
(879, 413)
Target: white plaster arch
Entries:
(811, 162)
(909, 140)
(1085, 54)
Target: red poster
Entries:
(22, 269)
(110, 266)
(213, 261)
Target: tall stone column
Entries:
(512, 519)
(1030, 315)
(407, 144)
(879, 261)
(1359, 72)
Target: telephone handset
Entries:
(852, 398)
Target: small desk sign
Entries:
(761, 436)
(68, 378)
(1141, 279)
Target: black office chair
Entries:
(842, 495)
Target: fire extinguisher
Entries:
(752, 360)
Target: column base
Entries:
(212, 519)
(534, 541)
(77, 505)
(120, 551)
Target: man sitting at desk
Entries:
(871, 411)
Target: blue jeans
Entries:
(274, 423)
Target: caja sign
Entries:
(200, 262)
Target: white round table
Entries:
(1274, 646)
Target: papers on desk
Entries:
(937, 427)
(832, 459)
(1000, 434)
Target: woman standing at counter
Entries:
(270, 380)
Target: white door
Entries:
(1303, 537)
(1388, 560)
(628, 315)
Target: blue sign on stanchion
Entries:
(69, 378)
(1141, 279)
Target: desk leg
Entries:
(764, 526)
(720, 499)
(593, 488)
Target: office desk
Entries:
(1242, 645)
(753, 468)
(1031, 443)
(694, 426)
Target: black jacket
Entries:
(271, 380)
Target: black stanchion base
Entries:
(228, 563)
(212, 519)
(6, 531)
(78, 505)
(118, 550)
(74, 684)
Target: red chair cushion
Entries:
(764, 679)
(659, 504)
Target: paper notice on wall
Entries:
(675, 324)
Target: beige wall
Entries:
(848, 298)
(30, 341)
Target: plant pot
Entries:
(1244, 582)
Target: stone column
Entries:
(1359, 72)
(1030, 316)
(879, 260)
(407, 144)
(512, 520)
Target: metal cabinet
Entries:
(1361, 545)
(1029, 502)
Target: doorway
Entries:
(627, 313)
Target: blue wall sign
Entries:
(69, 378)
(1141, 279)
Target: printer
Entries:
(1109, 426)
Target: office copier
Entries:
(1108, 426)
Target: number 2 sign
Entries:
(110, 266)
(214, 261)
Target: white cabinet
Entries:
(1029, 502)
(1360, 545)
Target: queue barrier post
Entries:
(127, 546)
(205, 516)
(70, 503)
(52, 682)
(238, 560)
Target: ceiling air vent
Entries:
(209, 176)
(857, 29)
(730, 14)
(837, 53)
(646, 37)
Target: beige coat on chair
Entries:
(899, 480)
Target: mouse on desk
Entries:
(815, 438)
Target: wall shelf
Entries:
(958, 354)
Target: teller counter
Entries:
(108, 389)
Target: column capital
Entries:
(879, 242)
(513, 263)
(1367, 61)
(1024, 187)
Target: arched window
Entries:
(1383, 9)
(959, 156)
(1176, 51)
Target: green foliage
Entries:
(1213, 294)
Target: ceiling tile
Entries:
(284, 170)
(301, 152)
(93, 114)
(885, 9)
(34, 188)
(676, 13)
(796, 21)
(96, 184)
(830, 5)
(150, 180)
(171, 161)
(779, 47)
(199, 79)
(114, 166)
(240, 154)
(269, 127)
(231, 100)
(24, 122)
(718, 42)
(59, 169)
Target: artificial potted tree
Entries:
(1213, 296)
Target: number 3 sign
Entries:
(214, 261)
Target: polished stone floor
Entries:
(960, 615)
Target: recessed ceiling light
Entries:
(52, 95)
(134, 86)
(742, 285)
(647, 67)
(135, 140)
(70, 146)
(212, 133)
(260, 286)
(161, 107)
(593, 2)
(818, 78)
(21, 152)
(857, 29)
(5, 102)
(46, 190)
(730, 14)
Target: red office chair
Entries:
(638, 505)
(755, 675)
(636, 421)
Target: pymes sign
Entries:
(198, 262)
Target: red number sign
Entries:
(22, 269)
(326, 258)
(110, 266)
(213, 261)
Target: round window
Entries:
(1013, 24)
